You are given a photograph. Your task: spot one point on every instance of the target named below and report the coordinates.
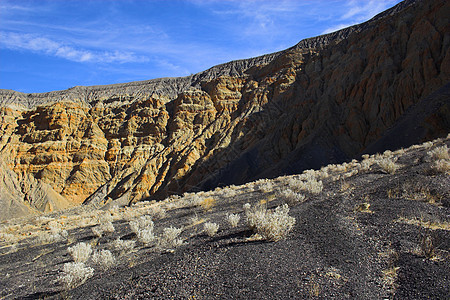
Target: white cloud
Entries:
(364, 10)
(360, 11)
(337, 27)
(40, 44)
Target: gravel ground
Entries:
(362, 237)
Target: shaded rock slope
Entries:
(363, 230)
(326, 100)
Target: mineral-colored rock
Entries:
(325, 100)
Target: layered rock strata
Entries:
(322, 101)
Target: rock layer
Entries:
(322, 101)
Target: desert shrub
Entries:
(266, 187)
(143, 227)
(55, 234)
(143, 222)
(103, 258)
(291, 197)
(442, 166)
(80, 252)
(310, 184)
(367, 163)
(210, 228)
(427, 144)
(313, 186)
(170, 238)
(439, 153)
(123, 245)
(254, 215)
(107, 227)
(146, 236)
(207, 203)
(271, 225)
(75, 273)
(233, 220)
(158, 212)
(388, 165)
(8, 238)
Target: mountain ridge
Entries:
(302, 109)
(170, 87)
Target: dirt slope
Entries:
(368, 234)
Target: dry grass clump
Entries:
(442, 166)
(170, 238)
(106, 227)
(291, 197)
(143, 228)
(207, 204)
(75, 273)
(123, 245)
(266, 187)
(305, 182)
(210, 228)
(80, 252)
(271, 225)
(439, 153)
(233, 220)
(8, 238)
(56, 233)
(388, 165)
(103, 258)
(390, 276)
(158, 212)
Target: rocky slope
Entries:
(363, 230)
(326, 100)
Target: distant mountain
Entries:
(378, 85)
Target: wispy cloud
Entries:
(360, 11)
(40, 44)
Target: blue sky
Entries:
(58, 44)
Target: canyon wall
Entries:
(326, 100)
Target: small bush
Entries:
(291, 197)
(255, 216)
(207, 203)
(388, 165)
(107, 227)
(143, 227)
(233, 220)
(56, 233)
(169, 237)
(439, 153)
(442, 166)
(8, 238)
(277, 224)
(271, 225)
(210, 228)
(314, 187)
(75, 273)
(123, 245)
(141, 223)
(80, 252)
(103, 258)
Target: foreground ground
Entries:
(372, 232)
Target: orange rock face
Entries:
(305, 107)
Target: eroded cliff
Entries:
(322, 101)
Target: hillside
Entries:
(371, 229)
(326, 100)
